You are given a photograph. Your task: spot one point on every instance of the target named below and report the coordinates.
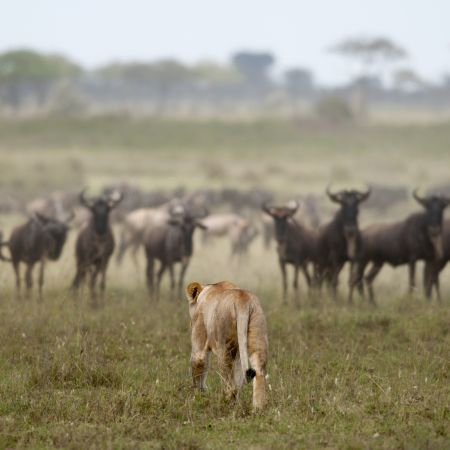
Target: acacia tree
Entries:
(373, 54)
(408, 80)
(26, 73)
(254, 66)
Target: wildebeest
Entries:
(138, 222)
(307, 216)
(39, 239)
(418, 237)
(296, 243)
(339, 240)
(169, 244)
(238, 229)
(95, 241)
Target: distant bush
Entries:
(67, 102)
(334, 110)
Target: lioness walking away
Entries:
(229, 322)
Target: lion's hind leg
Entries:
(258, 363)
(226, 363)
(199, 367)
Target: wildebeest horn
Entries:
(115, 198)
(362, 196)
(83, 200)
(294, 207)
(419, 199)
(266, 208)
(336, 198)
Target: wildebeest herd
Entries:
(166, 233)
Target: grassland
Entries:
(40, 155)
(118, 376)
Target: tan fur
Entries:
(229, 322)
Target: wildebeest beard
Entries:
(437, 243)
(57, 239)
(352, 240)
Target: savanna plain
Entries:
(118, 376)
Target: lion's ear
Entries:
(193, 291)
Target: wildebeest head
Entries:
(187, 222)
(55, 234)
(100, 208)
(280, 215)
(434, 206)
(349, 201)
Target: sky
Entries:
(298, 32)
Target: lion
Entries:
(229, 322)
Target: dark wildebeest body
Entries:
(169, 244)
(433, 269)
(95, 242)
(37, 240)
(295, 244)
(339, 240)
(418, 237)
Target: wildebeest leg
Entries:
(412, 276)
(16, 266)
(29, 279)
(431, 279)
(428, 279)
(134, 254)
(172, 279)
(318, 277)
(335, 271)
(103, 270)
(122, 247)
(149, 275)
(295, 280)
(79, 276)
(159, 276)
(306, 275)
(370, 277)
(93, 281)
(283, 279)
(356, 280)
(184, 266)
(41, 277)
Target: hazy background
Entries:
(297, 32)
(233, 59)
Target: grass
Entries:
(118, 376)
(41, 155)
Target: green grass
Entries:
(118, 376)
(40, 155)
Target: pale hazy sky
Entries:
(298, 32)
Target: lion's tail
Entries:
(242, 319)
